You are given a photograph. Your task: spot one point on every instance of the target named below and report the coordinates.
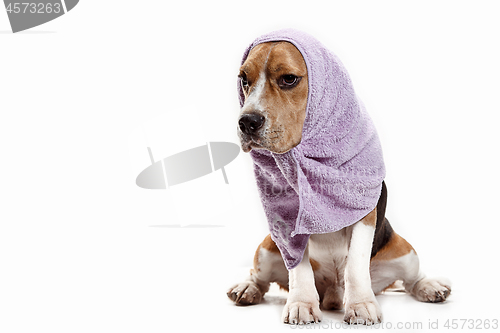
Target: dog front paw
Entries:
(363, 313)
(302, 313)
(245, 293)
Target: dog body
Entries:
(342, 269)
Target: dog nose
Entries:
(251, 123)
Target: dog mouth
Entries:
(268, 138)
(249, 142)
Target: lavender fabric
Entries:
(333, 178)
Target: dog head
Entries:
(274, 83)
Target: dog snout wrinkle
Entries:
(251, 123)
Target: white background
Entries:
(83, 249)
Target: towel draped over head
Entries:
(333, 177)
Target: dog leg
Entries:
(268, 267)
(422, 288)
(399, 261)
(361, 307)
(431, 290)
(302, 305)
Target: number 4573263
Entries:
(471, 324)
(33, 8)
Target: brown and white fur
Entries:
(344, 269)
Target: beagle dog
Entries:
(340, 270)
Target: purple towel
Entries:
(333, 178)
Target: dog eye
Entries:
(288, 81)
(244, 81)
